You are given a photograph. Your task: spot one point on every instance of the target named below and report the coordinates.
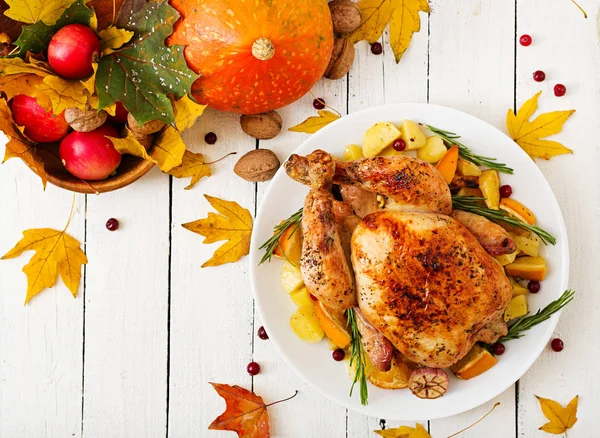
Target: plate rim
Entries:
(254, 258)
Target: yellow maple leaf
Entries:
(192, 165)
(130, 145)
(55, 253)
(313, 124)
(404, 432)
(112, 38)
(186, 111)
(234, 225)
(402, 16)
(530, 134)
(24, 83)
(32, 11)
(18, 145)
(168, 149)
(560, 418)
(65, 93)
(13, 66)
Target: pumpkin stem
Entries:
(263, 49)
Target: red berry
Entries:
(262, 333)
(376, 48)
(559, 90)
(498, 349)
(312, 297)
(120, 116)
(539, 76)
(112, 224)
(72, 50)
(399, 145)
(253, 368)
(557, 344)
(90, 155)
(534, 286)
(40, 126)
(319, 103)
(505, 191)
(338, 354)
(210, 138)
(525, 40)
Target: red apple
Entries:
(120, 116)
(40, 125)
(72, 50)
(90, 155)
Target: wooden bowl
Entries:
(131, 169)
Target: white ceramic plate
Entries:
(313, 363)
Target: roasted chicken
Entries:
(423, 281)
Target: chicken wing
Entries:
(494, 239)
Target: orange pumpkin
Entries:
(253, 56)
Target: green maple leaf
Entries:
(36, 37)
(141, 74)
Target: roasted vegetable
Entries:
(517, 307)
(306, 324)
(412, 135)
(448, 163)
(378, 137)
(433, 151)
(529, 268)
(489, 184)
(477, 361)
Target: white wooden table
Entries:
(133, 354)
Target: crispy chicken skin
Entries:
(494, 239)
(411, 184)
(427, 284)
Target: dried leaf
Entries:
(245, 413)
(130, 145)
(36, 37)
(313, 124)
(192, 165)
(32, 11)
(112, 38)
(4, 38)
(402, 15)
(106, 11)
(18, 145)
(168, 149)
(64, 93)
(55, 253)
(404, 432)
(234, 224)
(24, 83)
(529, 134)
(143, 73)
(560, 418)
(186, 111)
(14, 66)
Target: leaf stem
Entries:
(222, 158)
(478, 421)
(580, 8)
(323, 102)
(283, 400)
(70, 214)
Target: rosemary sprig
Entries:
(474, 205)
(450, 139)
(270, 245)
(525, 322)
(357, 354)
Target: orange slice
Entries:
(396, 378)
(448, 163)
(334, 328)
(529, 268)
(290, 244)
(476, 362)
(518, 210)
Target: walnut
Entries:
(345, 16)
(85, 120)
(147, 128)
(261, 126)
(257, 166)
(341, 59)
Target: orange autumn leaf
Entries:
(246, 413)
(531, 134)
(560, 418)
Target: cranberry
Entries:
(210, 138)
(338, 355)
(319, 103)
(534, 286)
(539, 76)
(557, 344)
(498, 349)
(312, 297)
(253, 368)
(559, 90)
(73, 50)
(376, 48)
(262, 333)
(112, 224)
(525, 40)
(505, 191)
(399, 145)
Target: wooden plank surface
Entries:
(133, 354)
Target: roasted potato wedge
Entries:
(517, 307)
(433, 151)
(353, 152)
(378, 137)
(466, 168)
(306, 324)
(489, 184)
(412, 135)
